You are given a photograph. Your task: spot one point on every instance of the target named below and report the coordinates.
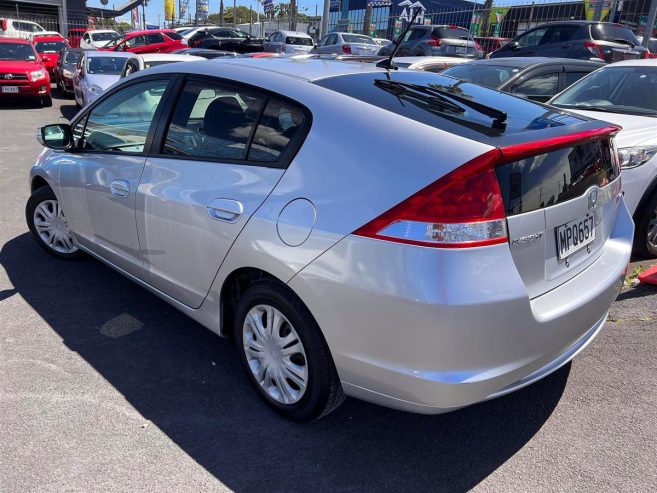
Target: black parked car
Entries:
(65, 69)
(437, 41)
(537, 78)
(584, 40)
(225, 39)
(206, 53)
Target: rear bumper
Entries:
(431, 330)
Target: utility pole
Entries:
(325, 16)
(647, 31)
(221, 13)
(234, 13)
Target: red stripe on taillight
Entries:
(435, 42)
(346, 49)
(465, 207)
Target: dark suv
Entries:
(437, 41)
(227, 39)
(584, 40)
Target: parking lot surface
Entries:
(105, 387)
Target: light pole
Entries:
(325, 16)
(234, 13)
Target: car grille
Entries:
(9, 77)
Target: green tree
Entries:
(243, 16)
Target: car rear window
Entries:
(484, 75)
(174, 35)
(49, 46)
(548, 179)
(451, 33)
(355, 38)
(523, 115)
(613, 32)
(298, 40)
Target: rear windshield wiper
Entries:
(624, 41)
(430, 94)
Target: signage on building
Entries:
(169, 10)
(202, 7)
(269, 6)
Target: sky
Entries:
(156, 7)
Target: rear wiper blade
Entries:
(498, 117)
(406, 88)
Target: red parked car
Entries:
(155, 41)
(22, 73)
(48, 49)
(489, 45)
(75, 35)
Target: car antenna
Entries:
(388, 64)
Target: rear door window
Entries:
(540, 87)
(155, 38)
(532, 38)
(279, 125)
(174, 35)
(414, 34)
(560, 34)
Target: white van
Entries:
(14, 28)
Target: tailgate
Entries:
(561, 207)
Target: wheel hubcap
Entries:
(275, 354)
(52, 227)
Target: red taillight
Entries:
(478, 46)
(435, 42)
(346, 49)
(646, 54)
(4, 24)
(465, 208)
(595, 50)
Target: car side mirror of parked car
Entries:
(58, 136)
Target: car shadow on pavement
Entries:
(188, 382)
(68, 111)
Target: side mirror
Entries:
(394, 39)
(513, 45)
(58, 136)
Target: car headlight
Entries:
(631, 157)
(67, 73)
(38, 74)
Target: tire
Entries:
(59, 247)
(46, 101)
(645, 236)
(307, 350)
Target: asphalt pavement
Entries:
(104, 387)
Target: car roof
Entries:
(14, 40)
(414, 59)
(149, 31)
(649, 62)
(294, 33)
(49, 38)
(532, 61)
(107, 54)
(166, 57)
(101, 31)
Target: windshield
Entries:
(105, 36)
(49, 46)
(356, 38)
(613, 32)
(174, 35)
(293, 40)
(107, 65)
(17, 51)
(72, 57)
(629, 90)
(484, 75)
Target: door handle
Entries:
(226, 210)
(120, 188)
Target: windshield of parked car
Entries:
(613, 32)
(107, 65)
(624, 89)
(298, 41)
(451, 33)
(72, 57)
(49, 46)
(358, 38)
(174, 35)
(105, 36)
(16, 51)
(484, 75)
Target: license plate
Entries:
(9, 89)
(575, 235)
(461, 49)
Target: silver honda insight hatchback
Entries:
(402, 237)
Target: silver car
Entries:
(291, 42)
(348, 44)
(96, 71)
(475, 258)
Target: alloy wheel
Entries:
(652, 231)
(52, 227)
(275, 354)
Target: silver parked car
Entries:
(347, 44)
(291, 42)
(473, 260)
(96, 71)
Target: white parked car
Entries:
(92, 40)
(625, 93)
(141, 62)
(292, 42)
(97, 70)
(14, 28)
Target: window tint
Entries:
(451, 33)
(121, 122)
(298, 41)
(332, 39)
(174, 35)
(279, 124)
(560, 34)
(532, 38)
(541, 85)
(108, 65)
(613, 32)
(49, 46)
(484, 75)
(415, 34)
(572, 77)
(72, 57)
(155, 38)
(212, 121)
